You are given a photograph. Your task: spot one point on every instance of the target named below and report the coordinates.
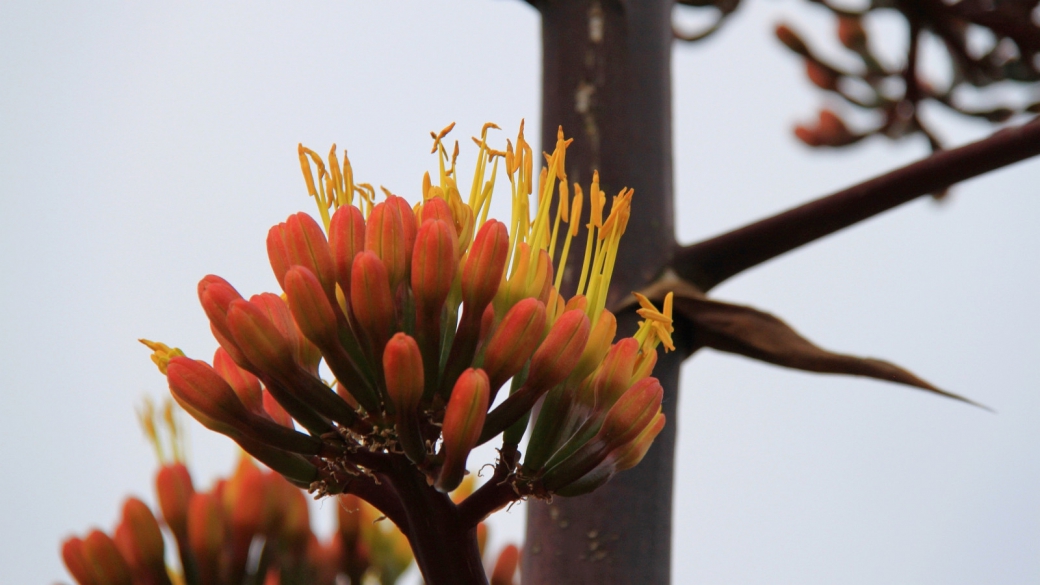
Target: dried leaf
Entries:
(759, 335)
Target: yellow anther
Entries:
(162, 353)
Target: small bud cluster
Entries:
(250, 527)
(422, 314)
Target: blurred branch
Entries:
(708, 263)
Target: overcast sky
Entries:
(142, 147)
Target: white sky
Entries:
(146, 146)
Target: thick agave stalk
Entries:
(423, 314)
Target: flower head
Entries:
(422, 313)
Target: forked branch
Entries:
(708, 263)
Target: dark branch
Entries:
(708, 263)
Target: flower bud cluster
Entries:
(250, 527)
(422, 314)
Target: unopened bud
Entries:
(403, 369)
(202, 391)
(309, 248)
(433, 266)
(390, 235)
(140, 542)
(346, 240)
(434, 209)
(463, 421)
(517, 337)
(259, 339)
(310, 307)
(559, 353)
(109, 567)
(371, 301)
(245, 385)
(174, 489)
(600, 338)
(206, 535)
(485, 265)
(76, 563)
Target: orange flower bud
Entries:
(201, 390)
(600, 338)
(311, 309)
(402, 367)
(206, 535)
(403, 371)
(278, 252)
(245, 385)
(636, 410)
(304, 352)
(505, 566)
(620, 459)
(560, 352)
(390, 234)
(371, 301)
(346, 239)
(463, 421)
(308, 248)
(631, 413)
(434, 209)
(140, 540)
(109, 567)
(216, 296)
(485, 265)
(174, 489)
(76, 562)
(316, 318)
(551, 364)
(259, 339)
(615, 374)
(433, 267)
(513, 343)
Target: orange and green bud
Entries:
(347, 240)
(259, 339)
(560, 351)
(434, 209)
(433, 267)
(463, 421)
(403, 372)
(140, 542)
(103, 558)
(371, 300)
(485, 265)
(553, 361)
(207, 397)
(207, 533)
(514, 341)
(308, 247)
(174, 490)
(390, 235)
(627, 419)
(246, 385)
(76, 562)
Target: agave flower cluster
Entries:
(423, 314)
(250, 527)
